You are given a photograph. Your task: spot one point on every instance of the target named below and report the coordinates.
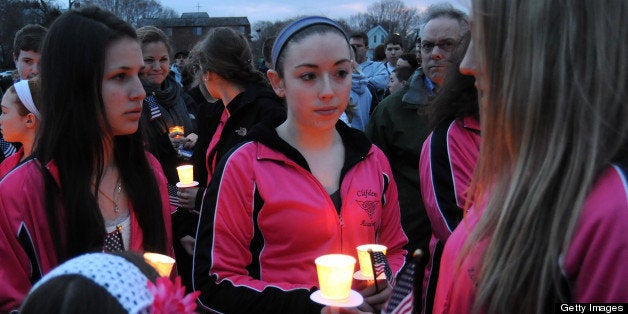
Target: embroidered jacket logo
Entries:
(367, 205)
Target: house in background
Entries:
(377, 35)
(187, 30)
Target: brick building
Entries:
(188, 29)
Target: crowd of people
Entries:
(502, 156)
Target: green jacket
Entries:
(399, 129)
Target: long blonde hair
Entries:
(555, 116)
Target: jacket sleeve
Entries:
(596, 264)
(166, 208)
(391, 231)
(222, 254)
(376, 128)
(378, 76)
(15, 266)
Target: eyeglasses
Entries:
(445, 45)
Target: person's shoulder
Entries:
(606, 205)
(393, 100)
(27, 173)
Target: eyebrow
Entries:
(309, 65)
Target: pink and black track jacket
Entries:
(595, 265)
(265, 218)
(11, 162)
(26, 246)
(447, 163)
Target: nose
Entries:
(137, 90)
(326, 91)
(35, 69)
(467, 66)
(437, 53)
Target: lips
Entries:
(326, 111)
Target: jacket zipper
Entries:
(342, 224)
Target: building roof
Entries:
(195, 19)
(377, 29)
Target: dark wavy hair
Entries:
(74, 123)
(227, 53)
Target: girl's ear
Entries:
(30, 121)
(277, 83)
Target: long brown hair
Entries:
(553, 119)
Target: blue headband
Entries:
(287, 32)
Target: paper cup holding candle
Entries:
(161, 263)
(334, 278)
(186, 176)
(364, 257)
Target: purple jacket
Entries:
(595, 265)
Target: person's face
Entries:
(392, 53)
(27, 64)
(122, 90)
(317, 80)
(394, 84)
(156, 62)
(440, 37)
(12, 124)
(360, 48)
(181, 61)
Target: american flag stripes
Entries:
(154, 107)
(172, 196)
(380, 264)
(402, 298)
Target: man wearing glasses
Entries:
(399, 124)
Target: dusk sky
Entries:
(273, 10)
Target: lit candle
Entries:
(161, 263)
(176, 131)
(186, 174)
(335, 274)
(366, 267)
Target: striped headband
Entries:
(287, 32)
(24, 93)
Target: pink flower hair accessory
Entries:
(170, 297)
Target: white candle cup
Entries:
(161, 263)
(366, 266)
(335, 275)
(186, 174)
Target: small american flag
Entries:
(380, 265)
(172, 196)
(7, 148)
(402, 298)
(113, 241)
(154, 107)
